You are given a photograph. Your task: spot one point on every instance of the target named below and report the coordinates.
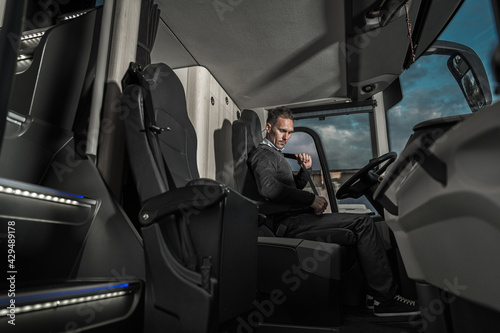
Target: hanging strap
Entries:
(206, 272)
(188, 252)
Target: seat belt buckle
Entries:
(280, 232)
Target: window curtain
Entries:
(148, 26)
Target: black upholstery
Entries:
(49, 92)
(318, 299)
(200, 236)
(161, 124)
(247, 134)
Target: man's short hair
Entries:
(281, 111)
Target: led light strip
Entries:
(60, 303)
(33, 35)
(70, 17)
(40, 196)
(22, 57)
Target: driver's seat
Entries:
(318, 299)
(247, 134)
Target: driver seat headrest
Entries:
(247, 134)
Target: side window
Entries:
(302, 142)
(347, 143)
(430, 92)
(429, 89)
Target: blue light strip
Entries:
(61, 192)
(5, 301)
(7, 182)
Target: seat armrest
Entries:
(325, 256)
(184, 200)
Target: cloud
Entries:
(429, 92)
(433, 98)
(346, 139)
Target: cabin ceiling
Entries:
(280, 52)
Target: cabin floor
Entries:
(356, 320)
(363, 320)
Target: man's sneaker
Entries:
(398, 306)
(369, 302)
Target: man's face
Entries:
(280, 133)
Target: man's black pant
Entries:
(370, 249)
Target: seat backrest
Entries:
(213, 239)
(48, 103)
(178, 142)
(168, 161)
(247, 134)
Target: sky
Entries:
(429, 91)
(346, 139)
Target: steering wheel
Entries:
(362, 180)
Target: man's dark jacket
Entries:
(275, 179)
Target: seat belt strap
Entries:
(187, 247)
(308, 175)
(309, 179)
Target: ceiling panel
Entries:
(278, 52)
(170, 50)
(263, 52)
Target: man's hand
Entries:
(305, 159)
(319, 205)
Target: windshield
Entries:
(429, 89)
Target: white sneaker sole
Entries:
(397, 314)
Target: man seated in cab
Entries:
(277, 183)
